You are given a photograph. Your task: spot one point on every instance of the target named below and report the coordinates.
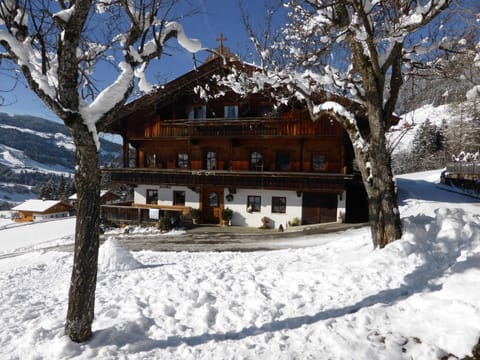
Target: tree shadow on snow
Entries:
(149, 266)
(425, 278)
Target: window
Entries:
(182, 160)
(210, 160)
(197, 112)
(230, 111)
(319, 162)
(283, 161)
(265, 110)
(254, 203)
(256, 161)
(213, 199)
(152, 196)
(151, 160)
(179, 198)
(279, 204)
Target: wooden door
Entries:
(319, 208)
(212, 204)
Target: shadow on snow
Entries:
(439, 255)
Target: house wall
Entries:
(43, 216)
(241, 217)
(235, 154)
(165, 195)
(24, 216)
(254, 219)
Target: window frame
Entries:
(211, 161)
(150, 160)
(283, 155)
(252, 203)
(148, 196)
(175, 198)
(230, 111)
(314, 167)
(274, 205)
(254, 161)
(197, 112)
(183, 160)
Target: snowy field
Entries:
(418, 298)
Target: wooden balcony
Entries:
(241, 127)
(297, 181)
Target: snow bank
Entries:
(444, 309)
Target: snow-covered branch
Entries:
(60, 53)
(347, 120)
(22, 53)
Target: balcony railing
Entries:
(240, 127)
(298, 181)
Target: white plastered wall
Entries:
(254, 219)
(240, 215)
(165, 195)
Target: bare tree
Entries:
(59, 47)
(359, 49)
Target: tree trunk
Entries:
(384, 217)
(375, 167)
(81, 299)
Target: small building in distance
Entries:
(35, 210)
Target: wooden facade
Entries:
(228, 151)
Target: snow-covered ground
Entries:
(418, 298)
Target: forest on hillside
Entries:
(435, 142)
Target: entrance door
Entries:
(212, 203)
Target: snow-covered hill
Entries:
(32, 150)
(18, 161)
(409, 123)
(337, 299)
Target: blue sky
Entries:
(217, 16)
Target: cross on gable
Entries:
(221, 39)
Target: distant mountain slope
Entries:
(46, 141)
(33, 150)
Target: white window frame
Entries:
(197, 112)
(230, 111)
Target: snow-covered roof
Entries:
(37, 205)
